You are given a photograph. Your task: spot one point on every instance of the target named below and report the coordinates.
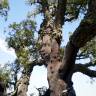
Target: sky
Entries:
(84, 85)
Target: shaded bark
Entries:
(2, 88)
(84, 33)
(50, 52)
(22, 85)
(61, 8)
(83, 69)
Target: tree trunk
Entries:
(2, 88)
(23, 82)
(22, 85)
(58, 84)
(59, 72)
(50, 39)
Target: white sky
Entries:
(82, 83)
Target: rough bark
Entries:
(50, 52)
(22, 84)
(59, 71)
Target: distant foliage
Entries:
(4, 7)
(21, 38)
(73, 7)
(5, 75)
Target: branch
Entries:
(82, 57)
(84, 33)
(38, 62)
(87, 29)
(83, 69)
(34, 63)
(89, 64)
(61, 8)
(27, 73)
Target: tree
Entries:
(8, 77)
(56, 13)
(4, 79)
(4, 7)
(21, 38)
(60, 69)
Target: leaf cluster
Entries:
(21, 38)
(74, 8)
(5, 75)
(4, 7)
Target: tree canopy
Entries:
(4, 7)
(46, 49)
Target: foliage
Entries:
(21, 38)
(21, 35)
(5, 74)
(89, 50)
(4, 7)
(14, 70)
(74, 8)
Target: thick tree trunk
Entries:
(60, 71)
(50, 38)
(58, 84)
(50, 52)
(2, 88)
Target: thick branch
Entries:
(83, 69)
(87, 29)
(84, 33)
(60, 12)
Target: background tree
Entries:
(4, 79)
(9, 76)
(4, 7)
(21, 38)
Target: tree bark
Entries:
(2, 88)
(23, 82)
(22, 85)
(59, 72)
